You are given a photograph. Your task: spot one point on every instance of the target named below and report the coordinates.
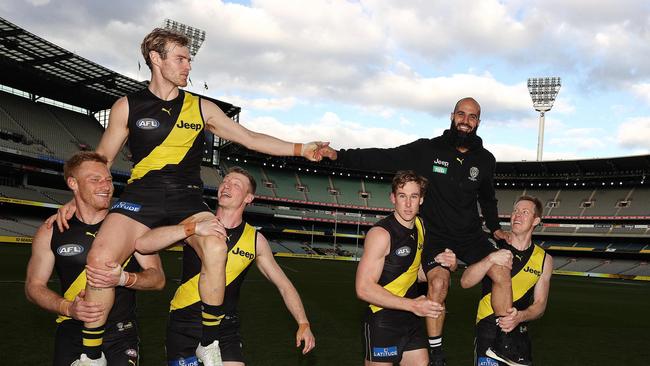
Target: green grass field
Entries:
(588, 321)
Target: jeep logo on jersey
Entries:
(68, 250)
(243, 253)
(403, 251)
(189, 126)
(533, 271)
(147, 124)
(441, 162)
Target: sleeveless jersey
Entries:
(402, 263)
(186, 302)
(70, 250)
(166, 137)
(527, 266)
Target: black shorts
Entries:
(389, 333)
(469, 250)
(486, 334)
(156, 205)
(183, 337)
(120, 344)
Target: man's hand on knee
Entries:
(104, 277)
(501, 257)
(210, 227)
(447, 259)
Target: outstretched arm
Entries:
(219, 124)
(39, 270)
(159, 238)
(376, 247)
(475, 273)
(272, 271)
(537, 308)
(376, 159)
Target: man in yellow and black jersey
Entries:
(531, 270)
(164, 127)
(245, 246)
(387, 275)
(88, 177)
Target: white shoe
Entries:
(209, 355)
(85, 361)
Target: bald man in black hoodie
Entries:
(460, 171)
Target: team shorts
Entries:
(120, 345)
(160, 205)
(388, 334)
(184, 336)
(469, 250)
(486, 334)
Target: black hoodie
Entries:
(457, 181)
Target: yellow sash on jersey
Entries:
(401, 284)
(523, 281)
(179, 141)
(75, 288)
(188, 292)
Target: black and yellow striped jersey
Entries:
(186, 303)
(401, 265)
(527, 267)
(166, 137)
(70, 250)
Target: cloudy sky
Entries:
(383, 73)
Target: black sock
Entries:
(92, 342)
(211, 320)
(435, 344)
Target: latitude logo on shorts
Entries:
(147, 124)
(487, 361)
(69, 250)
(128, 206)
(384, 351)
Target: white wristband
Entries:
(123, 277)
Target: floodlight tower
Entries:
(196, 36)
(543, 92)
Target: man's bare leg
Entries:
(213, 252)
(416, 357)
(114, 243)
(438, 287)
(501, 289)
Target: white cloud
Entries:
(635, 134)
(642, 91)
(330, 127)
(263, 104)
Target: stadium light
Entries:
(196, 36)
(543, 92)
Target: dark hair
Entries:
(71, 165)
(538, 204)
(468, 98)
(158, 39)
(404, 176)
(244, 172)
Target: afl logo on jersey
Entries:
(403, 251)
(147, 124)
(68, 250)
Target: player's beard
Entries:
(462, 138)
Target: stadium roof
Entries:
(32, 64)
(629, 166)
